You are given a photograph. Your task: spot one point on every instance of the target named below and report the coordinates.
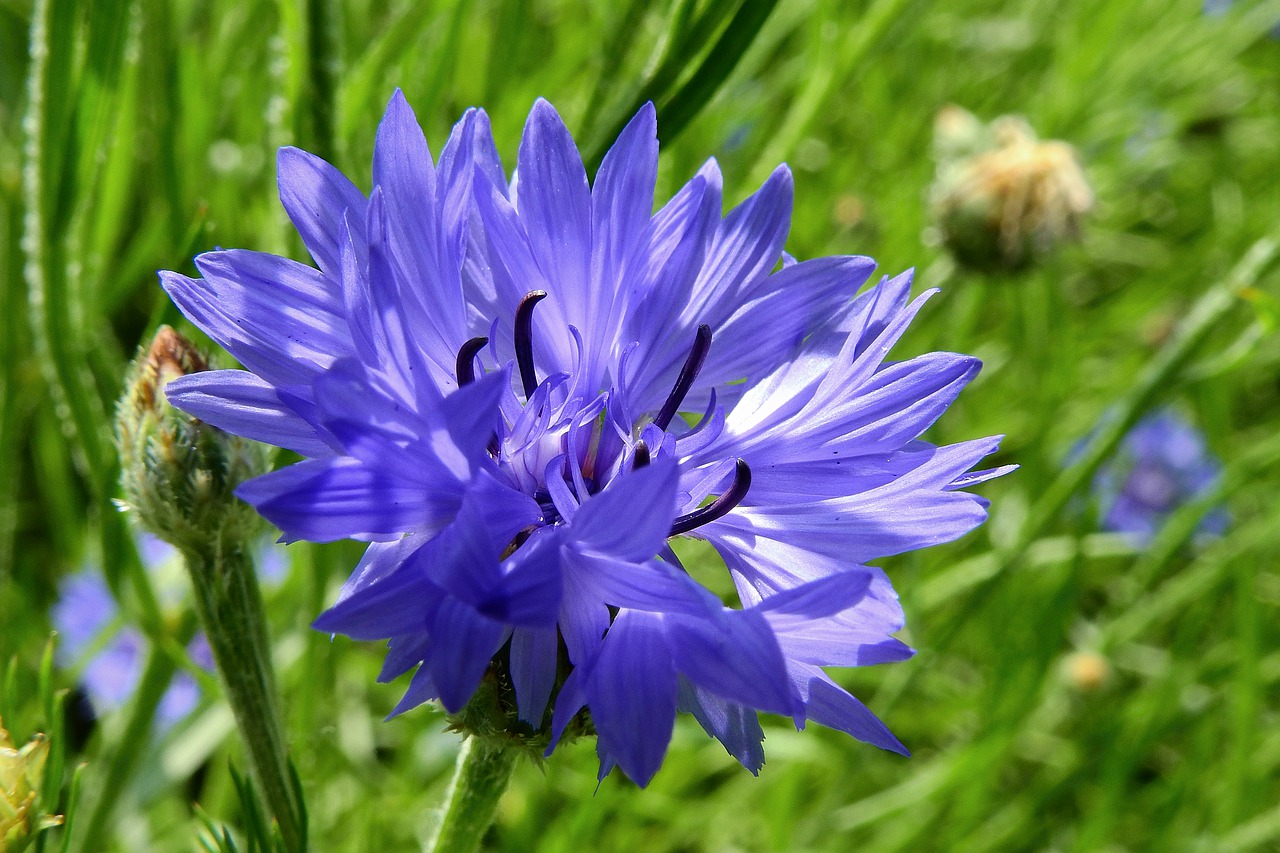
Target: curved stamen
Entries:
(524, 340)
(721, 505)
(688, 373)
(465, 367)
(642, 456)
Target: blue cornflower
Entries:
(487, 377)
(1161, 464)
(109, 654)
(1220, 8)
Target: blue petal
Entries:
(677, 243)
(422, 254)
(583, 618)
(794, 608)
(622, 198)
(555, 206)
(83, 610)
(735, 726)
(650, 586)
(526, 591)
(510, 271)
(404, 652)
(396, 342)
(268, 312)
(569, 701)
(621, 204)
(766, 328)
(471, 146)
(746, 247)
(913, 511)
(379, 560)
(240, 403)
(533, 671)
(323, 500)
(421, 689)
(830, 705)
(403, 603)
(317, 196)
(463, 641)
(631, 518)
(844, 619)
(373, 426)
(735, 657)
(632, 693)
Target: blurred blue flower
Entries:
(109, 654)
(487, 376)
(1160, 465)
(1219, 8)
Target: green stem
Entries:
(230, 609)
(321, 75)
(484, 769)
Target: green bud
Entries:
(21, 775)
(178, 473)
(1002, 197)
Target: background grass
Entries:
(136, 133)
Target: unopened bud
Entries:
(179, 474)
(21, 775)
(1002, 197)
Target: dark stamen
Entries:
(688, 373)
(642, 456)
(721, 505)
(465, 369)
(524, 340)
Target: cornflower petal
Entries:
(239, 402)
(317, 198)
(735, 726)
(631, 689)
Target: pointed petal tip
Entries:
(398, 108)
(648, 116)
(171, 280)
(327, 623)
(544, 111)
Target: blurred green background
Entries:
(1073, 691)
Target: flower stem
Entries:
(230, 610)
(483, 771)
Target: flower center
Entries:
(640, 452)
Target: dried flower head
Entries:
(1002, 196)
